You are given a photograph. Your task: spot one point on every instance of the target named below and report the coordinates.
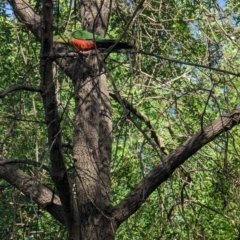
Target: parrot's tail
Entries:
(107, 43)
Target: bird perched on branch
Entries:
(84, 41)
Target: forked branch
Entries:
(164, 169)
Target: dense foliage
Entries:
(183, 74)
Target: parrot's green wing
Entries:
(81, 34)
(84, 40)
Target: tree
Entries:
(72, 180)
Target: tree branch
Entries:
(31, 20)
(187, 63)
(58, 169)
(145, 119)
(25, 161)
(33, 189)
(17, 88)
(164, 169)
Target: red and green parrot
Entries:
(84, 41)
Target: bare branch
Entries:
(130, 23)
(33, 189)
(17, 88)
(28, 16)
(58, 169)
(164, 169)
(187, 63)
(25, 161)
(145, 119)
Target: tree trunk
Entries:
(92, 133)
(92, 149)
(89, 214)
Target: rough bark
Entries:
(92, 149)
(33, 189)
(92, 132)
(90, 215)
(95, 15)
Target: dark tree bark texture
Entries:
(89, 214)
